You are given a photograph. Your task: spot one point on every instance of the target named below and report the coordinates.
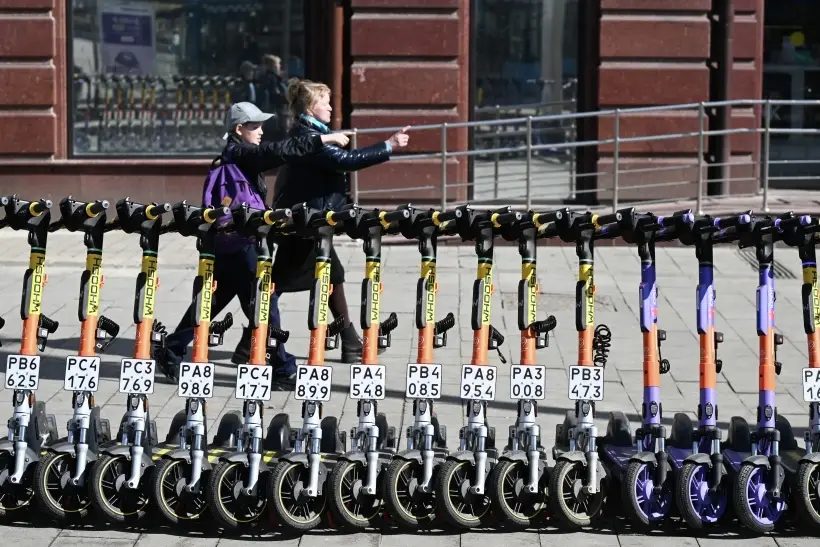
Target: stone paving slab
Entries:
(617, 278)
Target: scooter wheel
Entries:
(109, 494)
(567, 497)
(807, 498)
(699, 507)
(231, 508)
(460, 507)
(14, 497)
(517, 507)
(353, 508)
(168, 491)
(754, 508)
(55, 494)
(408, 507)
(643, 505)
(293, 509)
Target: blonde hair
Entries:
(303, 94)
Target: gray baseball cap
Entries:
(243, 113)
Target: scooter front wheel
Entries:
(807, 498)
(13, 497)
(175, 503)
(461, 508)
(231, 508)
(567, 496)
(53, 489)
(408, 507)
(519, 508)
(294, 509)
(353, 508)
(755, 509)
(699, 506)
(109, 493)
(644, 506)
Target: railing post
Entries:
(764, 176)
(701, 151)
(355, 178)
(496, 156)
(443, 166)
(616, 160)
(529, 163)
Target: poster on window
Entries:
(127, 42)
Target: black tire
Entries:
(176, 506)
(50, 485)
(521, 510)
(572, 510)
(741, 501)
(243, 513)
(342, 485)
(284, 500)
(685, 506)
(408, 509)
(20, 497)
(806, 497)
(107, 498)
(632, 507)
(450, 481)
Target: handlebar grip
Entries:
(793, 222)
(732, 222)
(539, 219)
(278, 215)
(602, 220)
(392, 216)
(334, 217)
(154, 210)
(210, 215)
(37, 208)
(443, 216)
(501, 219)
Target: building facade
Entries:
(108, 98)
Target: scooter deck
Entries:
(216, 452)
(619, 456)
(789, 458)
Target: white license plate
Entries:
(196, 380)
(368, 381)
(423, 381)
(23, 372)
(811, 385)
(137, 376)
(478, 382)
(253, 382)
(313, 382)
(586, 383)
(82, 373)
(528, 382)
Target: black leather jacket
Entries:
(322, 180)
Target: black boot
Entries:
(242, 353)
(352, 345)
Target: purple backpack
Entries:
(227, 186)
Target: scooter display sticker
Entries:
(196, 380)
(528, 382)
(586, 383)
(368, 381)
(313, 382)
(22, 372)
(811, 385)
(423, 381)
(478, 382)
(82, 373)
(137, 376)
(253, 382)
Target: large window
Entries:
(156, 77)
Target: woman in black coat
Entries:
(321, 181)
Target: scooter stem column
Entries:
(649, 327)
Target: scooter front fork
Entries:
(590, 432)
(367, 436)
(311, 435)
(527, 434)
(18, 425)
(474, 436)
(775, 475)
(195, 428)
(80, 423)
(657, 433)
(712, 437)
(252, 429)
(134, 429)
(424, 431)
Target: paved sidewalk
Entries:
(617, 277)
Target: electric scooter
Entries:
(410, 498)
(520, 480)
(298, 483)
(461, 479)
(30, 428)
(356, 487)
(60, 477)
(578, 481)
(237, 492)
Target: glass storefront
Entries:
(154, 78)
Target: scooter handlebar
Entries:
(37, 208)
(94, 208)
(212, 214)
(539, 219)
(501, 219)
(271, 217)
(334, 217)
(154, 210)
(732, 222)
(393, 216)
(602, 220)
(792, 222)
(440, 217)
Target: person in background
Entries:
(247, 88)
(274, 89)
(322, 182)
(235, 262)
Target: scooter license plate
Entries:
(137, 376)
(368, 381)
(811, 385)
(478, 382)
(313, 383)
(82, 373)
(22, 372)
(253, 382)
(196, 380)
(586, 383)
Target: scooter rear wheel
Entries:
(643, 506)
(168, 489)
(61, 500)
(232, 509)
(807, 498)
(109, 494)
(566, 496)
(354, 509)
(699, 507)
(14, 497)
(407, 507)
(506, 485)
(459, 506)
(294, 510)
(754, 508)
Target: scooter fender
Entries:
(574, 456)
(758, 461)
(514, 456)
(409, 455)
(7, 446)
(125, 451)
(356, 456)
(644, 457)
(463, 456)
(242, 457)
(65, 447)
(699, 458)
(185, 456)
(295, 457)
(814, 457)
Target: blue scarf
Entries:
(316, 124)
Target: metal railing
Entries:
(684, 176)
